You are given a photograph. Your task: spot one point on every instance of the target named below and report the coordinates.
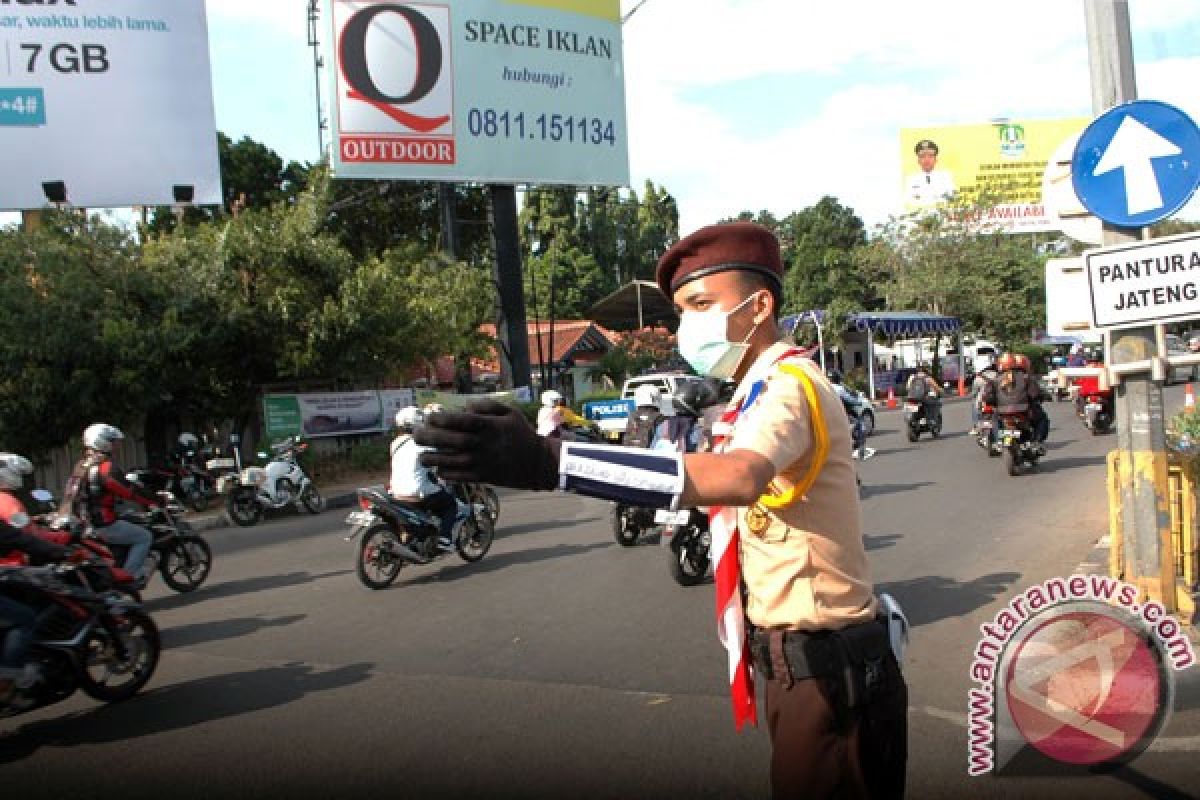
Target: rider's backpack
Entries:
(918, 387)
(1012, 392)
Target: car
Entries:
(612, 416)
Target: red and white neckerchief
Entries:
(726, 554)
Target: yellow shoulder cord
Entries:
(777, 498)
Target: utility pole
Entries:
(1141, 428)
(511, 329)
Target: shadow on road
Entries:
(218, 630)
(886, 451)
(1029, 763)
(503, 560)
(934, 598)
(880, 541)
(1059, 464)
(180, 706)
(543, 525)
(245, 586)
(869, 490)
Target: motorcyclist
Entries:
(645, 418)
(1014, 392)
(919, 388)
(16, 534)
(92, 493)
(554, 415)
(979, 385)
(415, 484)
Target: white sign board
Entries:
(495, 91)
(111, 100)
(1145, 282)
(1068, 302)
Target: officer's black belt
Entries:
(817, 654)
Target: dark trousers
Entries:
(822, 749)
(20, 620)
(444, 505)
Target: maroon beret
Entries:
(718, 248)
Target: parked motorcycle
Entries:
(631, 523)
(254, 491)
(87, 637)
(192, 485)
(392, 534)
(180, 555)
(923, 416)
(1016, 441)
(689, 544)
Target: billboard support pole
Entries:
(511, 328)
(1141, 428)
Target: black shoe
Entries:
(444, 544)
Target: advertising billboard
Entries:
(106, 105)
(494, 91)
(1006, 160)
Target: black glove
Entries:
(489, 443)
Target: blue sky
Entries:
(771, 104)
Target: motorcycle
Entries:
(194, 486)
(985, 432)
(253, 491)
(87, 637)
(181, 556)
(472, 493)
(689, 541)
(631, 523)
(1016, 442)
(1094, 405)
(392, 533)
(923, 416)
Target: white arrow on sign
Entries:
(1133, 148)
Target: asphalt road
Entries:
(563, 665)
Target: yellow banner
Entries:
(1006, 159)
(604, 9)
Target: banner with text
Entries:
(1004, 159)
(496, 91)
(108, 103)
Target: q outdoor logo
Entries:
(395, 100)
(1075, 670)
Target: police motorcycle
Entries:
(253, 491)
(923, 416)
(89, 636)
(392, 533)
(630, 523)
(686, 532)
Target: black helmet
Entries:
(695, 396)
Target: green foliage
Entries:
(1039, 356)
(370, 455)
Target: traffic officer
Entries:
(789, 538)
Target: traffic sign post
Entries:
(1112, 176)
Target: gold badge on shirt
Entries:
(757, 519)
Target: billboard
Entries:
(110, 103)
(494, 91)
(1007, 159)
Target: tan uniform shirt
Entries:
(804, 565)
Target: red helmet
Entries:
(1022, 362)
(1006, 362)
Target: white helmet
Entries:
(647, 395)
(432, 408)
(551, 398)
(188, 440)
(409, 417)
(100, 437)
(12, 467)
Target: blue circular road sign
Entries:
(1137, 163)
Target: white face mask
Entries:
(703, 341)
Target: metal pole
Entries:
(448, 202)
(1141, 435)
(638, 287)
(871, 364)
(511, 329)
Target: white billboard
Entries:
(495, 91)
(108, 102)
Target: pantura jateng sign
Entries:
(1152, 281)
